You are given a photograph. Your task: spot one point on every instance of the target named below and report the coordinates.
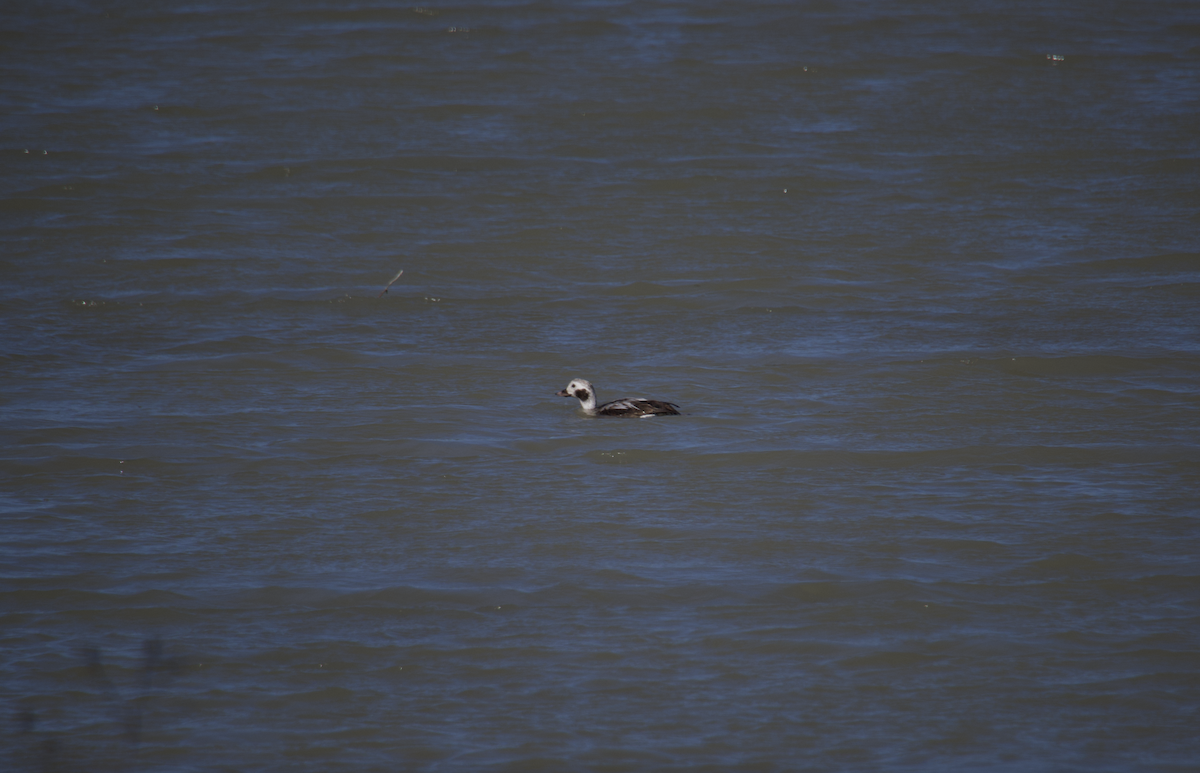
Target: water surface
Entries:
(923, 278)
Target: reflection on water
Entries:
(97, 723)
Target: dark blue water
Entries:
(923, 278)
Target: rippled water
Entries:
(924, 279)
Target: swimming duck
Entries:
(628, 406)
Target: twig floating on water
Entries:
(389, 284)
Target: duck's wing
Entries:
(659, 406)
(636, 406)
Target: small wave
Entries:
(583, 27)
(810, 592)
(1165, 263)
(887, 660)
(1064, 565)
(1090, 365)
(62, 600)
(819, 458)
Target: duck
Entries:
(628, 406)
